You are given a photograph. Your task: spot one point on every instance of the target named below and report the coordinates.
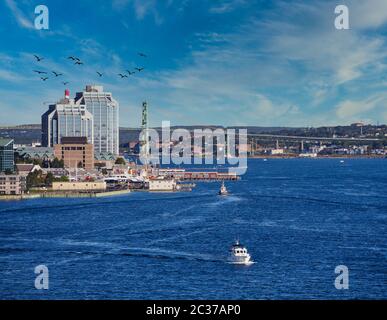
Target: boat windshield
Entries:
(239, 250)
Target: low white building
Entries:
(308, 155)
(79, 186)
(276, 151)
(162, 185)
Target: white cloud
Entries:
(276, 70)
(350, 109)
(10, 76)
(141, 8)
(286, 67)
(367, 14)
(21, 19)
(227, 6)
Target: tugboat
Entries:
(239, 254)
(223, 190)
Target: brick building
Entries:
(76, 152)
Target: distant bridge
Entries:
(284, 137)
(281, 137)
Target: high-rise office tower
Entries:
(6, 155)
(106, 119)
(67, 118)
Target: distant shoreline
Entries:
(71, 195)
(318, 157)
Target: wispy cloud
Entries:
(141, 8)
(353, 109)
(285, 64)
(7, 75)
(279, 70)
(369, 14)
(20, 17)
(226, 6)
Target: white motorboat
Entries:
(223, 190)
(239, 254)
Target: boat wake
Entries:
(167, 254)
(224, 200)
(249, 263)
(155, 253)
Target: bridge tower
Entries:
(144, 140)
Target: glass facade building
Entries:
(7, 160)
(106, 119)
(66, 119)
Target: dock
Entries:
(183, 175)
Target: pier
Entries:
(183, 175)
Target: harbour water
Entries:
(298, 218)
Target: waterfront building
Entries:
(92, 114)
(105, 156)
(105, 111)
(35, 153)
(308, 155)
(162, 185)
(12, 184)
(275, 152)
(105, 160)
(76, 152)
(67, 118)
(79, 186)
(7, 160)
(56, 172)
(24, 169)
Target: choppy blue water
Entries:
(298, 218)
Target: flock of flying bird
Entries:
(77, 61)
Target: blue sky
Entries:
(230, 62)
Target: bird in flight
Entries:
(139, 69)
(78, 62)
(100, 74)
(38, 58)
(142, 55)
(57, 74)
(130, 72)
(40, 72)
(122, 75)
(74, 58)
(44, 79)
(65, 83)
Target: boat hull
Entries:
(246, 260)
